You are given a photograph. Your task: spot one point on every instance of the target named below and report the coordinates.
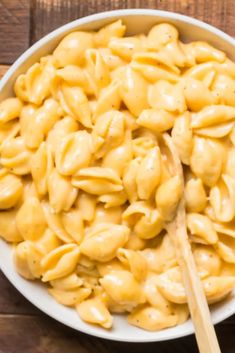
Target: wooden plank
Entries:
(11, 301)
(14, 29)
(47, 336)
(43, 335)
(3, 69)
(47, 15)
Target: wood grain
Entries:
(47, 15)
(40, 334)
(12, 302)
(3, 69)
(47, 336)
(14, 29)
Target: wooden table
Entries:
(23, 328)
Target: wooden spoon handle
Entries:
(198, 307)
(199, 310)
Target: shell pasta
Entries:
(87, 186)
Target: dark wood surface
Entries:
(23, 328)
(14, 29)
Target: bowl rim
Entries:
(109, 15)
(122, 13)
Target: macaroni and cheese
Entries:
(87, 187)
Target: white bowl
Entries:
(137, 21)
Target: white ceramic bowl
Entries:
(137, 21)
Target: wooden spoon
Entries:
(198, 307)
